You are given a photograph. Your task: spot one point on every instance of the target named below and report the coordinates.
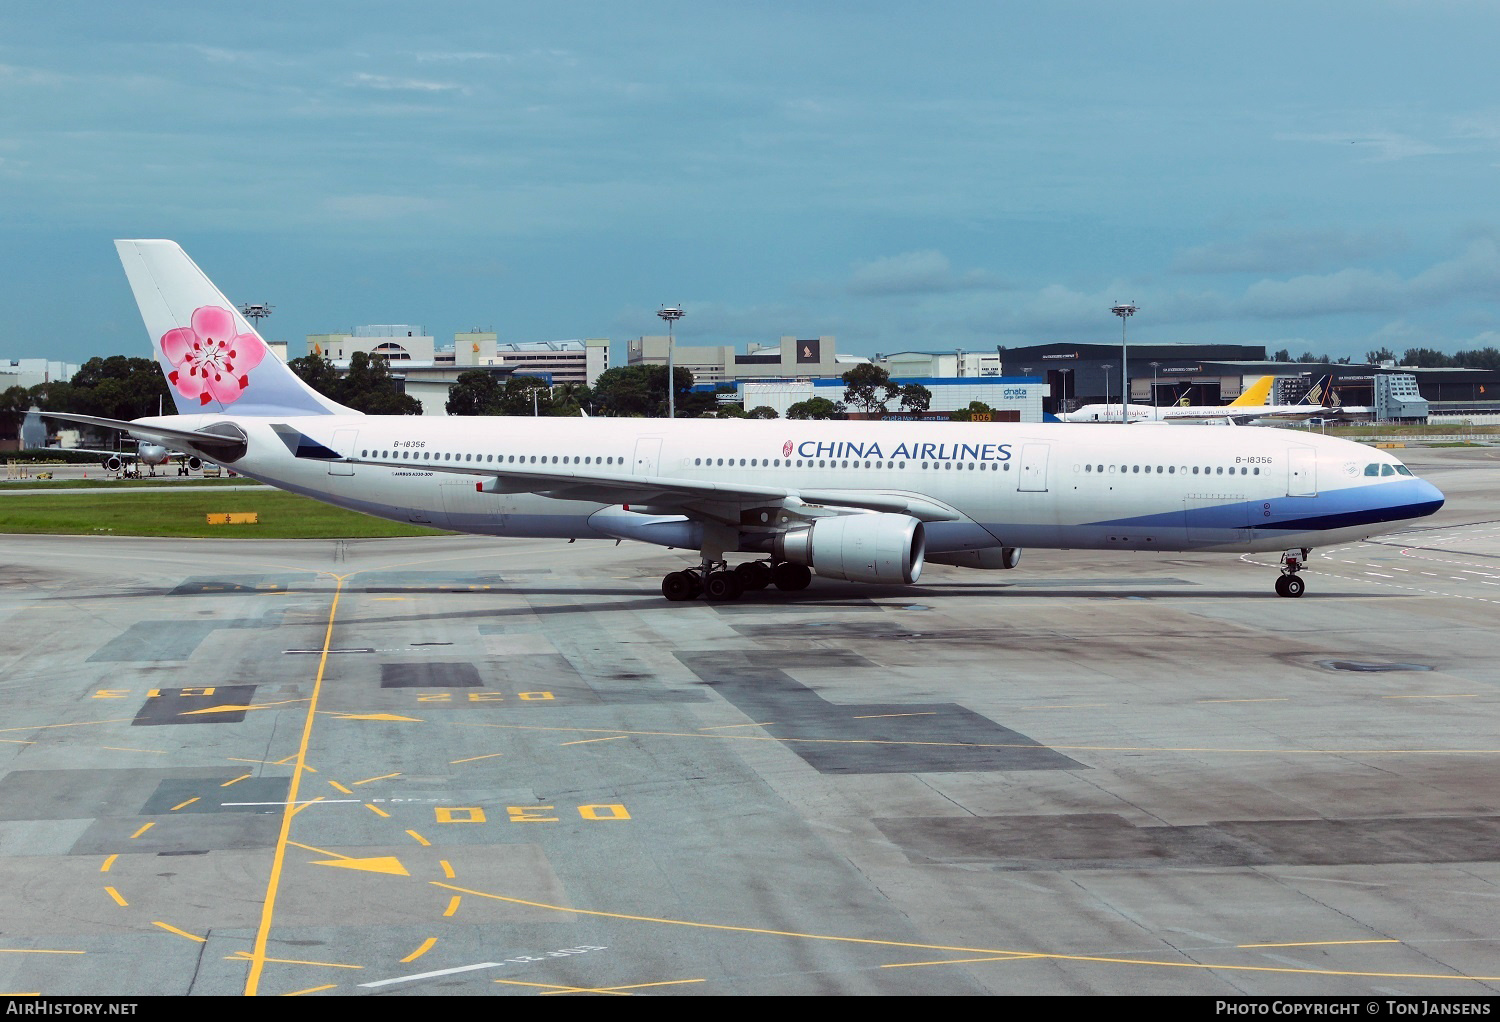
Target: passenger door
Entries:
(1033, 468)
(1302, 472)
(647, 455)
(343, 444)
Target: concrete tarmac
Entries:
(508, 767)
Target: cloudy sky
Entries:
(1314, 176)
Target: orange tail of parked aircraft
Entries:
(1258, 393)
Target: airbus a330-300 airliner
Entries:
(860, 501)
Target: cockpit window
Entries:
(1387, 470)
(1372, 469)
(1402, 470)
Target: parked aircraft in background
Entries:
(1323, 393)
(151, 455)
(860, 501)
(1250, 408)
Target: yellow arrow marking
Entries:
(180, 933)
(381, 864)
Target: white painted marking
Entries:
(302, 802)
(431, 975)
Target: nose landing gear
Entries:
(1287, 583)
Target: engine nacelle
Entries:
(194, 462)
(113, 463)
(989, 558)
(885, 548)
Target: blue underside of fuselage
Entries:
(1332, 510)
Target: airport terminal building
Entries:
(428, 372)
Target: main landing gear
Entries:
(1287, 583)
(716, 581)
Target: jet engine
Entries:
(194, 462)
(885, 548)
(113, 463)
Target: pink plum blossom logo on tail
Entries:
(211, 360)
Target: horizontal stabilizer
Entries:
(163, 434)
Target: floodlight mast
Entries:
(256, 311)
(671, 313)
(1124, 310)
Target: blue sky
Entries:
(1314, 176)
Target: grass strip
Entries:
(183, 514)
(105, 482)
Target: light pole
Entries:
(1153, 388)
(1107, 368)
(256, 311)
(1124, 310)
(670, 313)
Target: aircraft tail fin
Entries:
(213, 358)
(1254, 395)
(1320, 393)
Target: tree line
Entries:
(117, 387)
(641, 391)
(1428, 358)
(1425, 358)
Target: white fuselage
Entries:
(1186, 414)
(1011, 485)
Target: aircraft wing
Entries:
(122, 455)
(125, 456)
(692, 497)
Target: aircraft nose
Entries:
(1430, 497)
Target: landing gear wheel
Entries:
(791, 577)
(679, 585)
(1290, 585)
(754, 575)
(722, 585)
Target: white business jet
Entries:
(860, 501)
